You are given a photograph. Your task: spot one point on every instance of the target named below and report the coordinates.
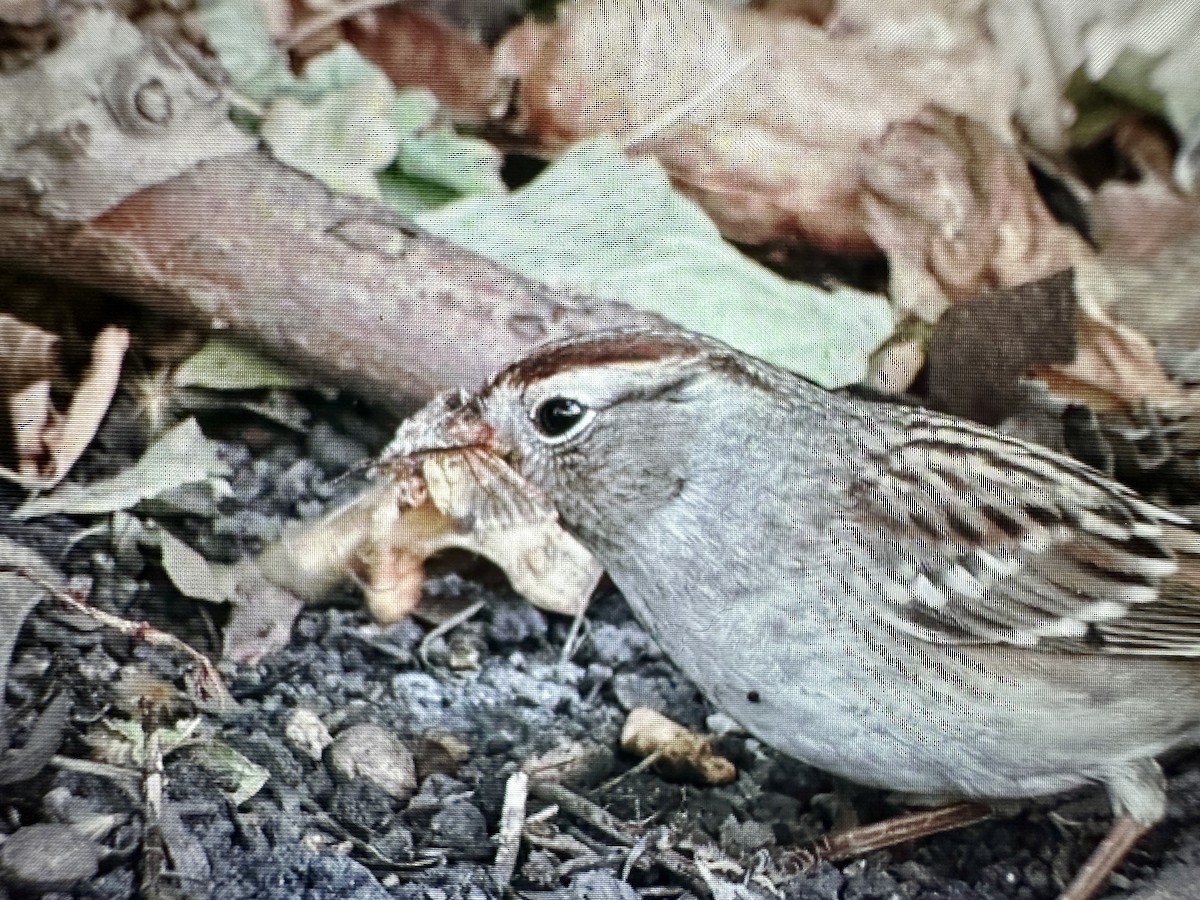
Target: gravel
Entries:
(320, 830)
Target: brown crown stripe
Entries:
(596, 351)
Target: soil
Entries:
(495, 683)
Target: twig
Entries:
(560, 844)
(512, 821)
(643, 764)
(329, 18)
(444, 628)
(571, 644)
(608, 824)
(154, 853)
(206, 687)
(584, 810)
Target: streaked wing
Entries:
(992, 540)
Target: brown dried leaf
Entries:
(676, 750)
(417, 49)
(479, 504)
(758, 117)
(1115, 368)
(416, 508)
(47, 444)
(29, 353)
(957, 213)
(75, 431)
(1149, 239)
(980, 349)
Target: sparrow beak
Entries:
(451, 421)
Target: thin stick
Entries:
(444, 628)
(910, 826)
(1094, 875)
(154, 853)
(571, 644)
(608, 824)
(512, 821)
(207, 688)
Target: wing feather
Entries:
(993, 540)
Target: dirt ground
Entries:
(480, 703)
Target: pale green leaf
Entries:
(237, 32)
(343, 138)
(234, 774)
(181, 456)
(465, 165)
(409, 196)
(614, 227)
(226, 365)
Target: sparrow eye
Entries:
(560, 416)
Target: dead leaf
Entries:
(24, 571)
(415, 508)
(758, 117)
(192, 574)
(181, 456)
(958, 214)
(980, 349)
(416, 49)
(1115, 368)
(676, 750)
(1149, 239)
(48, 443)
(75, 431)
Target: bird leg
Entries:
(1125, 832)
(896, 830)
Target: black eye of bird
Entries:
(558, 415)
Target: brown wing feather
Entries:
(1003, 542)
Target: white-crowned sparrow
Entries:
(903, 598)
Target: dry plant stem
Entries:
(571, 644)
(512, 821)
(609, 825)
(642, 765)
(154, 855)
(208, 688)
(584, 810)
(561, 844)
(343, 289)
(445, 628)
(910, 826)
(1091, 879)
(329, 18)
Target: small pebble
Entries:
(375, 754)
(47, 858)
(307, 733)
(459, 825)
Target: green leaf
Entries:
(337, 69)
(225, 365)
(409, 196)
(614, 227)
(343, 138)
(234, 774)
(237, 32)
(464, 165)
(181, 456)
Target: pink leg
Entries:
(1125, 832)
(897, 830)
